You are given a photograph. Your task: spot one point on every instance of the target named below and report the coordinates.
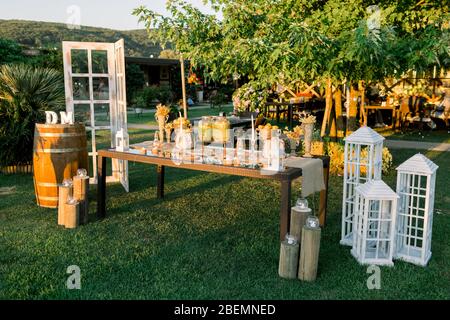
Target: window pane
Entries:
(101, 112)
(82, 113)
(99, 61)
(79, 61)
(101, 88)
(80, 88)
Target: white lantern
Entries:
(363, 162)
(416, 178)
(374, 223)
(122, 140)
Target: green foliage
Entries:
(286, 41)
(25, 93)
(152, 95)
(135, 80)
(168, 54)
(50, 35)
(10, 52)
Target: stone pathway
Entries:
(431, 146)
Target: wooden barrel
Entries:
(59, 151)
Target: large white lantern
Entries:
(374, 223)
(363, 162)
(416, 178)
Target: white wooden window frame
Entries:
(116, 101)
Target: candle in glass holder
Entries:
(65, 191)
(80, 193)
(72, 213)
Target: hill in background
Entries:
(49, 35)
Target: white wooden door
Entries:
(91, 94)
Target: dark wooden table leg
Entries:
(101, 187)
(290, 116)
(160, 183)
(324, 198)
(285, 211)
(278, 114)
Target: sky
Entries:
(113, 14)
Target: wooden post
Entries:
(288, 264)
(362, 94)
(338, 112)
(328, 107)
(72, 214)
(63, 194)
(298, 219)
(352, 110)
(309, 254)
(183, 86)
(80, 193)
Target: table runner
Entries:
(312, 173)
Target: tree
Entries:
(135, 80)
(285, 41)
(168, 54)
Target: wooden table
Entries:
(392, 108)
(285, 178)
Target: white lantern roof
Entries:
(376, 189)
(419, 164)
(364, 135)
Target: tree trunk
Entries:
(352, 110)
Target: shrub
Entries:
(336, 152)
(150, 96)
(25, 93)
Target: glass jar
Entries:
(205, 129)
(312, 222)
(302, 203)
(184, 123)
(221, 129)
(240, 145)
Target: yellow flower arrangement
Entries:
(162, 110)
(308, 119)
(294, 134)
(265, 131)
(169, 126)
(185, 123)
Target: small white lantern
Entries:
(374, 223)
(122, 140)
(416, 179)
(363, 162)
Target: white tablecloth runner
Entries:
(312, 173)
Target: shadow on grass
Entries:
(146, 204)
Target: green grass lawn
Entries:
(212, 237)
(439, 136)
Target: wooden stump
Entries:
(63, 195)
(288, 260)
(298, 219)
(309, 254)
(80, 193)
(72, 215)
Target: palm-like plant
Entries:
(25, 93)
